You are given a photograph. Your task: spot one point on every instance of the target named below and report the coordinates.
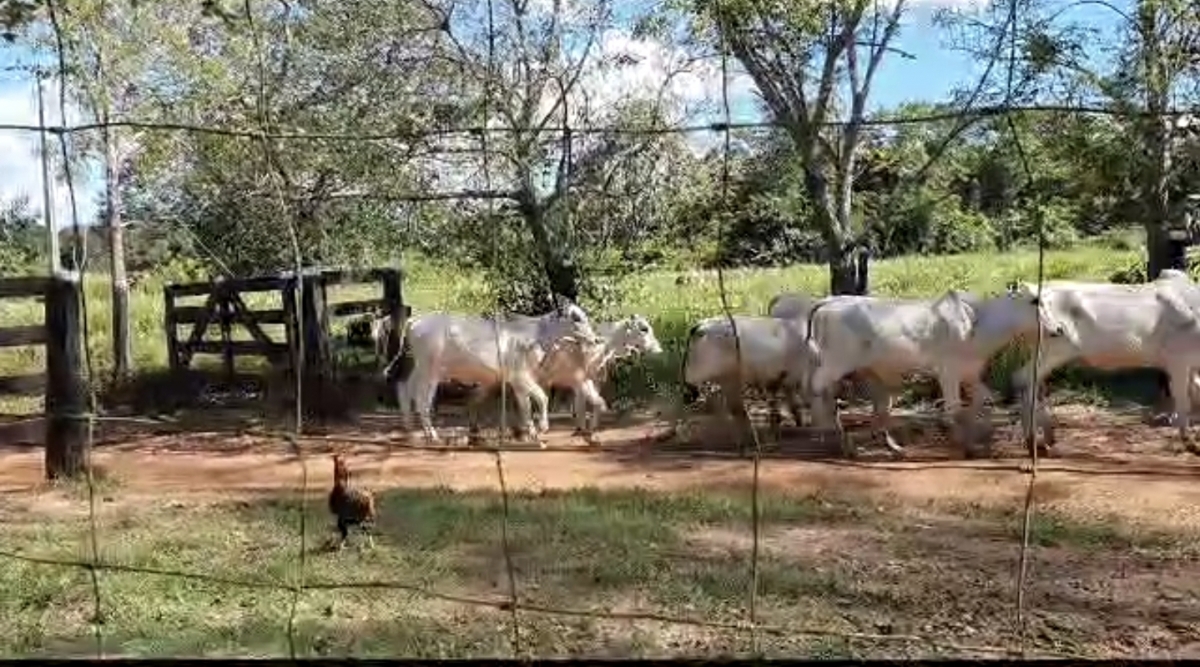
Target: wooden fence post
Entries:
(394, 303)
(66, 390)
(317, 370)
(172, 329)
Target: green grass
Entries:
(671, 307)
(835, 563)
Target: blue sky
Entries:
(934, 73)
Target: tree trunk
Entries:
(845, 276)
(1158, 249)
(1156, 137)
(122, 345)
(560, 270)
(1156, 199)
(843, 270)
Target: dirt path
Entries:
(1122, 469)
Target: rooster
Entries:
(351, 506)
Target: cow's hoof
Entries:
(1049, 437)
(587, 436)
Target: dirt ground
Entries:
(922, 570)
(1103, 465)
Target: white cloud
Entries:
(20, 153)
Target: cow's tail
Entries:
(774, 300)
(808, 324)
(810, 343)
(691, 393)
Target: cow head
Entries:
(568, 324)
(636, 335)
(1031, 294)
(567, 308)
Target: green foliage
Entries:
(611, 204)
(22, 238)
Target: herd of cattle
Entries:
(806, 345)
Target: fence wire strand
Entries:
(501, 360)
(1031, 391)
(744, 414)
(990, 111)
(80, 255)
(267, 133)
(275, 174)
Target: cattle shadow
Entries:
(1121, 448)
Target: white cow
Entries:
(952, 337)
(581, 369)
(484, 352)
(1110, 327)
(788, 305)
(380, 324)
(773, 358)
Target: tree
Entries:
(545, 76)
(1155, 70)
(21, 235)
(803, 56)
(330, 68)
(100, 40)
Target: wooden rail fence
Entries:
(63, 427)
(226, 308)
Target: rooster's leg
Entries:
(343, 533)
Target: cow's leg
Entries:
(950, 384)
(881, 404)
(775, 417)
(474, 400)
(822, 386)
(588, 397)
(735, 408)
(1181, 379)
(406, 392)
(791, 396)
(579, 411)
(526, 391)
(424, 395)
(745, 429)
(519, 388)
(1194, 391)
(1054, 354)
(405, 404)
(980, 426)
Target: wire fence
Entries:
(268, 133)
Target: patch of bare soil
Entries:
(1101, 467)
(950, 576)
